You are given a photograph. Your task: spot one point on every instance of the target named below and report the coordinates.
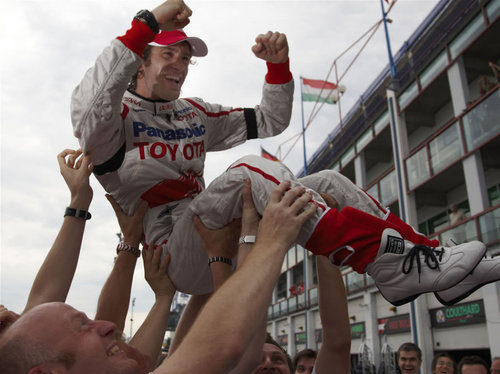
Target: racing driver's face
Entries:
(162, 75)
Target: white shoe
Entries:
(402, 270)
(487, 271)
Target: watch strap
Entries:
(220, 259)
(128, 248)
(149, 19)
(78, 213)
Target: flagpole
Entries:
(397, 166)
(391, 61)
(303, 128)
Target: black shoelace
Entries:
(430, 258)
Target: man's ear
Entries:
(140, 71)
(47, 368)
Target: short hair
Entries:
(472, 360)
(146, 59)
(19, 355)
(409, 347)
(440, 355)
(270, 340)
(304, 353)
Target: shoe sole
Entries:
(413, 297)
(462, 296)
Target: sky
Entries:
(48, 45)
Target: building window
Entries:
(408, 95)
(373, 191)
(347, 157)
(482, 122)
(315, 272)
(417, 168)
(355, 281)
(281, 287)
(388, 188)
(493, 10)
(364, 140)
(291, 257)
(433, 70)
(298, 274)
(438, 222)
(489, 224)
(445, 148)
(466, 36)
(381, 123)
(493, 196)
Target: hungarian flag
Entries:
(266, 154)
(311, 89)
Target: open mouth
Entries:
(113, 350)
(173, 79)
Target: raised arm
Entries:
(221, 333)
(54, 278)
(222, 243)
(335, 350)
(149, 338)
(115, 294)
(272, 116)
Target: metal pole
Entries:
(387, 40)
(397, 165)
(303, 129)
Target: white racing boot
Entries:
(402, 271)
(487, 271)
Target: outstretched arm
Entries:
(54, 278)
(336, 348)
(149, 338)
(218, 338)
(115, 294)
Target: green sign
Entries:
(357, 330)
(300, 338)
(458, 315)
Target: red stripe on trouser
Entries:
(269, 177)
(375, 201)
(360, 231)
(349, 227)
(408, 233)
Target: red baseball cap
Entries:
(164, 38)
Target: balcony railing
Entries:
(456, 140)
(484, 227)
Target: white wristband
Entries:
(247, 239)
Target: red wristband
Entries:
(137, 37)
(278, 73)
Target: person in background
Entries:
(456, 215)
(303, 362)
(409, 357)
(472, 365)
(443, 363)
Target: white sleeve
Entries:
(96, 103)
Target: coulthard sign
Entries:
(458, 315)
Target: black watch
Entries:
(149, 19)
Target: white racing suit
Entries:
(156, 151)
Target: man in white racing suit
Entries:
(146, 143)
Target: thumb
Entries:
(257, 48)
(114, 204)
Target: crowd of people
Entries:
(224, 244)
